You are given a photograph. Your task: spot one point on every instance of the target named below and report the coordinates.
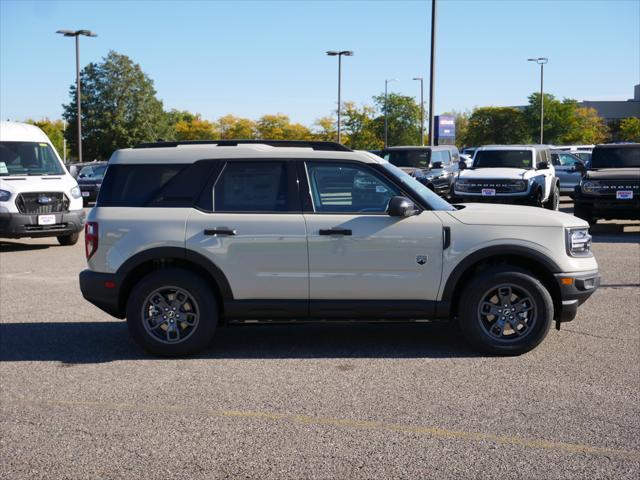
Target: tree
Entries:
(279, 127)
(325, 129)
(360, 127)
(630, 129)
(54, 129)
(497, 125)
(585, 127)
(184, 125)
(232, 127)
(403, 119)
(119, 108)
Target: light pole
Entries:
(76, 34)
(339, 54)
(386, 119)
(432, 71)
(421, 109)
(541, 61)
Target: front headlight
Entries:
(461, 185)
(4, 195)
(518, 186)
(75, 192)
(591, 187)
(578, 242)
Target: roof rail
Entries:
(319, 145)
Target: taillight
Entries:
(90, 238)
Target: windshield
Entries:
(28, 158)
(621, 157)
(94, 171)
(408, 158)
(427, 195)
(503, 158)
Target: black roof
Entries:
(319, 145)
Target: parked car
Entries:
(569, 170)
(185, 237)
(585, 156)
(518, 174)
(90, 180)
(468, 161)
(611, 188)
(468, 151)
(434, 167)
(38, 196)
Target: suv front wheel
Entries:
(505, 310)
(172, 312)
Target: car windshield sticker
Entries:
(3, 169)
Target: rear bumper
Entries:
(103, 290)
(576, 292)
(17, 225)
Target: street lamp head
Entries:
(72, 33)
(347, 53)
(87, 33)
(417, 78)
(332, 53)
(539, 60)
(67, 33)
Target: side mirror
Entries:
(436, 165)
(579, 166)
(82, 175)
(401, 207)
(543, 165)
(462, 165)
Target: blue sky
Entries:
(251, 58)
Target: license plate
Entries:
(46, 219)
(624, 194)
(85, 194)
(488, 192)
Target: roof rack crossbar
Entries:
(315, 145)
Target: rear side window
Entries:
(254, 187)
(168, 185)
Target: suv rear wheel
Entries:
(172, 312)
(505, 310)
(66, 240)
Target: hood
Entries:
(414, 171)
(514, 215)
(505, 173)
(614, 174)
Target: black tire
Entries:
(537, 199)
(584, 213)
(553, 203)
(197, 338)
(476, 328)
(70, 239)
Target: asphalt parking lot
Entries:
(79, 399)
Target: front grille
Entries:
(500, 186)
(610, 187)
(42, 202)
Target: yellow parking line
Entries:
(434, 432)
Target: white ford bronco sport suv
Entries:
(188, 236)
(38, 196)
(520, 174)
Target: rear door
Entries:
(253, 230)
(356, 250)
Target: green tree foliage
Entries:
(630, 129)
(325, 129)
(360, 127)
(403, 119)
(119, 108)
(54, 129)
(497, 125)
(585, 127)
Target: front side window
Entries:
(418, 158)
(567, 160)
(441, 156)
(346, 188)
(93, 171)
(252, 187)
(503, 158)
(28, 158)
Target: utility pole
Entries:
(421, 109)
(541, 61)
(339, 54)
(432, 72)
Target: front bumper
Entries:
(607, 206)
(18, 225)
(89, 192)
(103, 290)
(524, 198)
(575, 289)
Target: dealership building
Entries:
(614, 112)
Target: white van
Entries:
(38, 196)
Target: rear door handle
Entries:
(335, 231)
(219, 231)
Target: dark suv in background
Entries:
(90, 180)
(434, 167)
(610, 189)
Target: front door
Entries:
(356, 250)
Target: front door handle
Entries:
(219, 231)
(335, 231)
